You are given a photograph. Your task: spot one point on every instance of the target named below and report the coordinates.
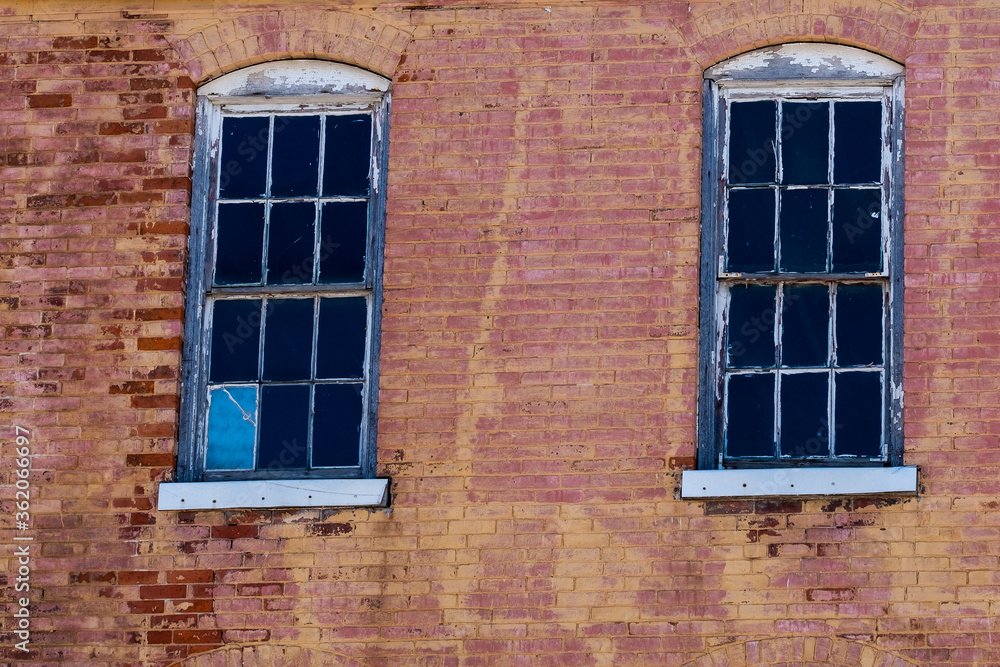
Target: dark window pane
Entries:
(235, 340)
(348, 155)
(232, 417)
(752, 311)
(857, 142)
(751, 142)
(803, 229)
(337, 425)
(859, 325)
(240, 239)
(295, 158)
(284, 427)
(290, 243)
(750, 415)
(857, 230)
(805, 326)
(858, 414)
(804, 421)
(340, 351)
(288, 339)
(343, 242)
(243, 168)
(805, 142)
(751, 230)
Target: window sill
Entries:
(797, 482)
(273, 493)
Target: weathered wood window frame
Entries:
(818, 74)
(297, 93)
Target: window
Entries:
(801, 274)
(280, 375)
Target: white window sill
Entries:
(273, 493)
(797, 482)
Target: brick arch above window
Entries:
(801, 652)
(366, 41)
(715, 32)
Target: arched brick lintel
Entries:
(268, 655)
(220, 47)
(731, 29)
(800, 651)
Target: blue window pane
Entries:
(805, 142)
(857, 230)
(343, 327)
(243, 167)
(750, 415)
(284, 427)
(805, 330)
(751, 320)
(337, 425)
(752, 128)
(295, 159)
(859, 325)
(288, 339)
(240, 244)
(232, 416)
(750, 242)
(235, 340)
(348, 155)
(290, 242)
(858, 414)
(802, 226)
(804, 422)
(343, 242)
(857, 143)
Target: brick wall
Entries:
(539, 351)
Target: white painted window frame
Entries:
(800, 69)
(291, 87)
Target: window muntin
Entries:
(280, 382)
(801, 268)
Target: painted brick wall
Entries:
(539, 348)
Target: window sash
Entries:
(713, 375)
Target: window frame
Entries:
(291, 87)
(827, 71)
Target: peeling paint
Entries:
(800, 60)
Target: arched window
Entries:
(284, 290)
(801, 295)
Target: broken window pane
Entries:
(232, 419)
(243, 167)
(235, 340)
(751, 230)
(804, 401)
(805, 326)
(284, 426)
(342, 337)
(751, 142)
(803, 229)
(751, 320)
(348, 155)
(337, 425)
(857, 230)
(290, 243)
(343, 242)
(857, 152)
(288, 339)
(750, 415)
(295, 159)
(239, 244)
(858, 414)
(805, 142)
(859, 324)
